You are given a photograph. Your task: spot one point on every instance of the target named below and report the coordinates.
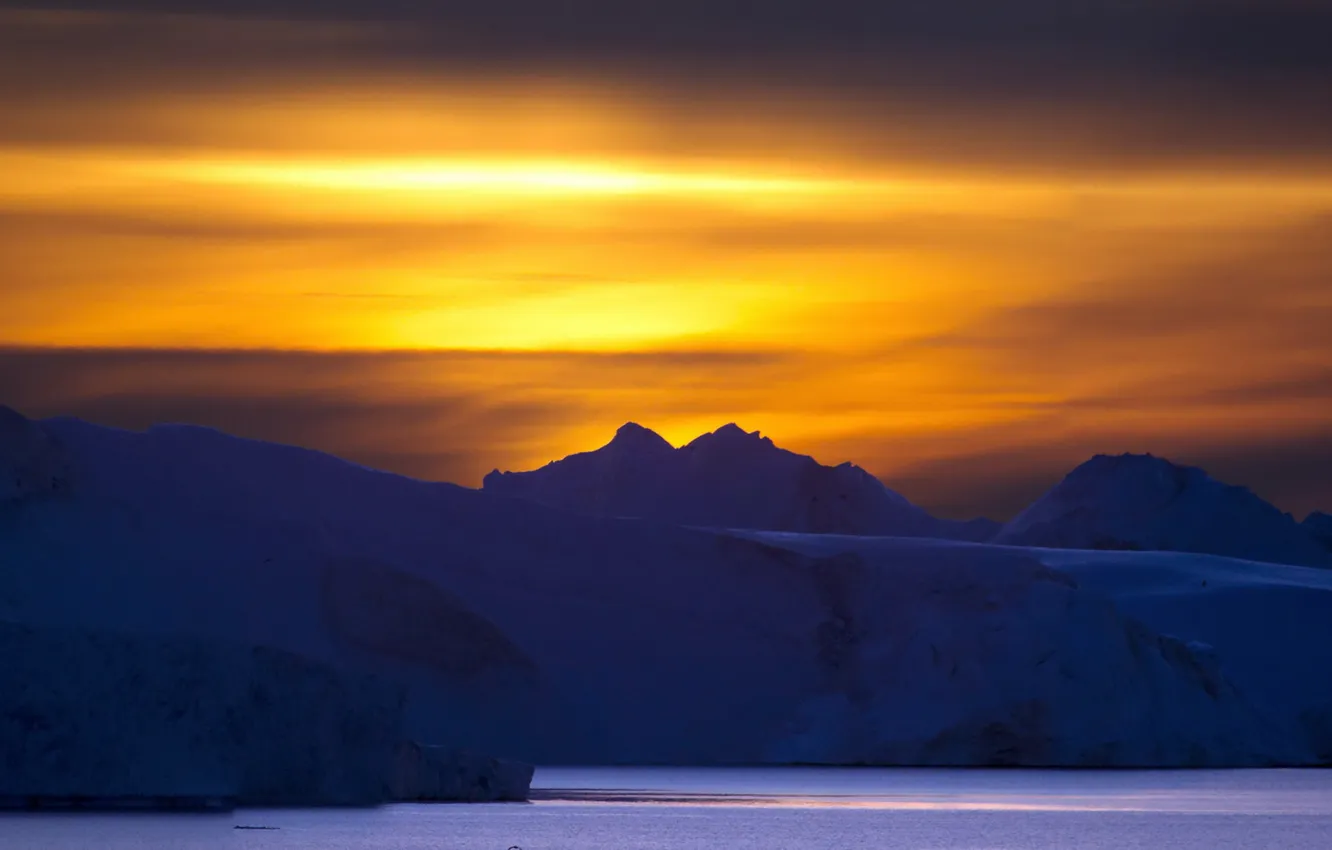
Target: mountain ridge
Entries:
(727, 478)
(1142, 501)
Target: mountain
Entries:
(544, 635)
(1319, 525)
(726, 479)
(1144, 502)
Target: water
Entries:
(771, 809)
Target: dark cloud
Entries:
(1033, 81)
(1227, 37)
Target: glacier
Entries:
(550, 636)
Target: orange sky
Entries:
(564, 254)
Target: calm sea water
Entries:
(771, 809)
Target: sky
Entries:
(963, 244)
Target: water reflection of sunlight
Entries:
(1077, 803)
(1199, 792)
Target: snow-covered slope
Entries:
(1148, 503)
(1319, 525)
(726, 479)
(552, 637)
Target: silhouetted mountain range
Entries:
(731, 478)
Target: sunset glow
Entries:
(572, 253)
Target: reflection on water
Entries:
(769, 809)
(1215, 791)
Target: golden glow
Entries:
(902, 303)
(499, 178)
(530, 254)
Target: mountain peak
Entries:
(728, 478)
(1140, 501)
(1126, 461)
(1131, 476)
(732, 435)
(635, 436)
